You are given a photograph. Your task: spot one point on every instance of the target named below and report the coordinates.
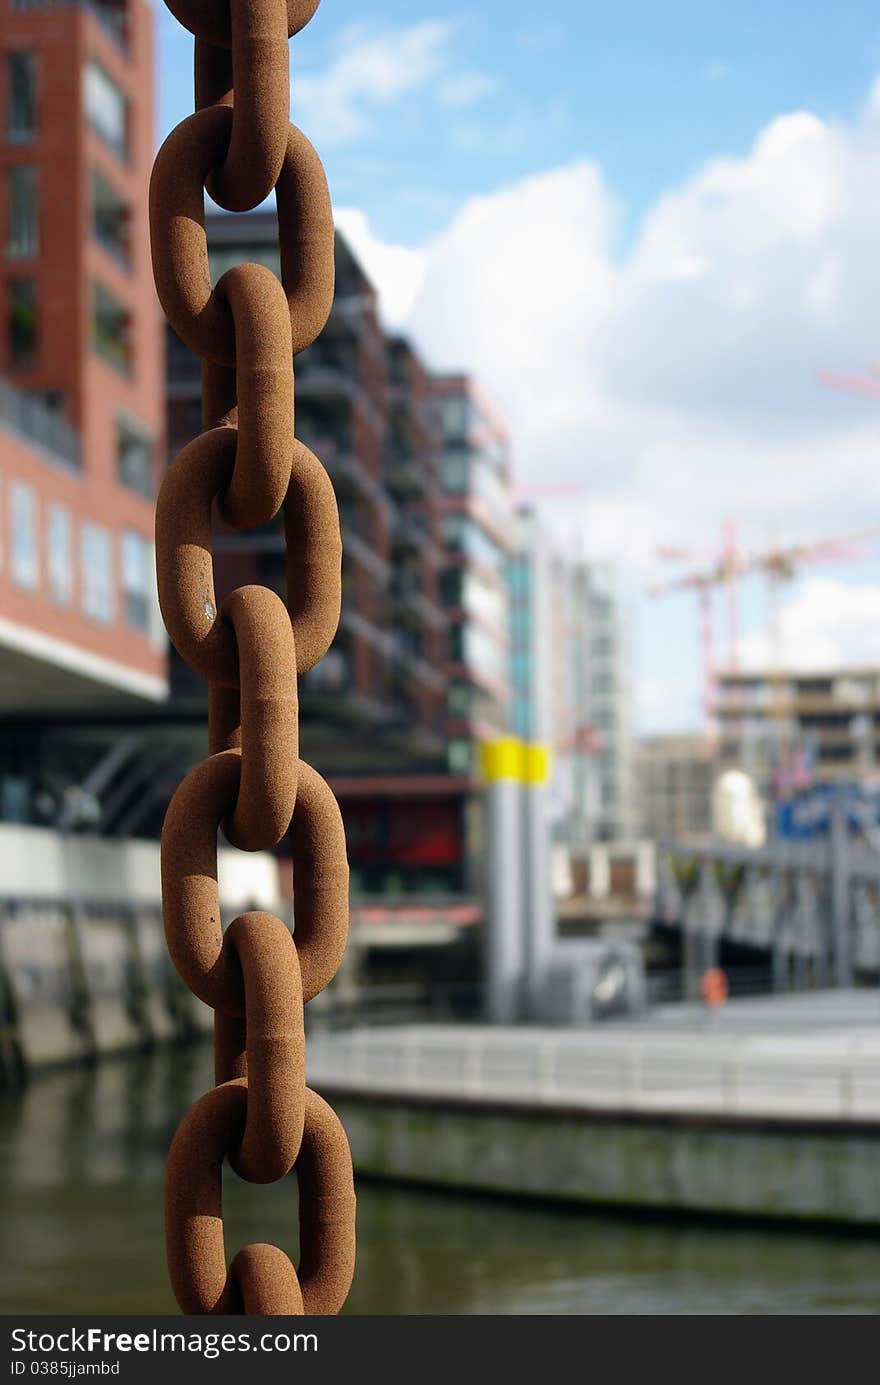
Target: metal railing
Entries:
(830, 1077)
(32, 419)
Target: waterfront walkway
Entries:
(811, 1056)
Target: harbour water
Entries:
(81, 1165)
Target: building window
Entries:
(456, 472)
(136, 580)
(97, 574)
(134, 458)
(59, 549)
(451, 586)
(21, 95)
(24, 217)
(458, 700)
(111, 329)
(110, 220)
(22, 323)
(456, 417)
(106, 108)
(459, 757)
(24, 556)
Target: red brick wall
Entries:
(65, 150)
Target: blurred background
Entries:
(599, 399)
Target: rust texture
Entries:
(251, 648)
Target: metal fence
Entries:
(826, 1077)
(33, 420)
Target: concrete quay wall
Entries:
(84, 969)
(808, 1172)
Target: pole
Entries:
(503, 949)
(539, 914)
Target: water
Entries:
(81, 1165)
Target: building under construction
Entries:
(789, 730)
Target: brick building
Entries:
(81, 370)
(373, 711)
(376, 702)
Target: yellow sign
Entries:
(524, 762)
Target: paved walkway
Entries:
(807, 1056)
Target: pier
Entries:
(768, 1111)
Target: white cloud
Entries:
(373, 67)
(464, 88)
(678, 384)
(827, 624)
(397, 268)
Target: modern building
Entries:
(81, 384)
(570, 685)
(789, 729)
(412, 477)
(674, 775)
(533, 599)
(477, 513)
(375, 703)
(373, 713)
(542, 662)
(602, 752)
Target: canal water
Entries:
(81, 1164)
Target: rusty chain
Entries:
(256, 977)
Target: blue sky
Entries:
(649, 90)
(646, 228)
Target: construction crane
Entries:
(719, 569)
(867, 384)
(777, 564)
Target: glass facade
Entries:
(462, 534)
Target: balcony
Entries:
(29, 417)
(327, 377)
(110, 14)
(326, 369)
(411, 536)
(355, 313)
(355, 549)
(410, 600)
(346, 470)
(111, 220)
(412, 668)
(405, 475)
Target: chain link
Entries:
(255, 976)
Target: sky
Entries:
(645, 229)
